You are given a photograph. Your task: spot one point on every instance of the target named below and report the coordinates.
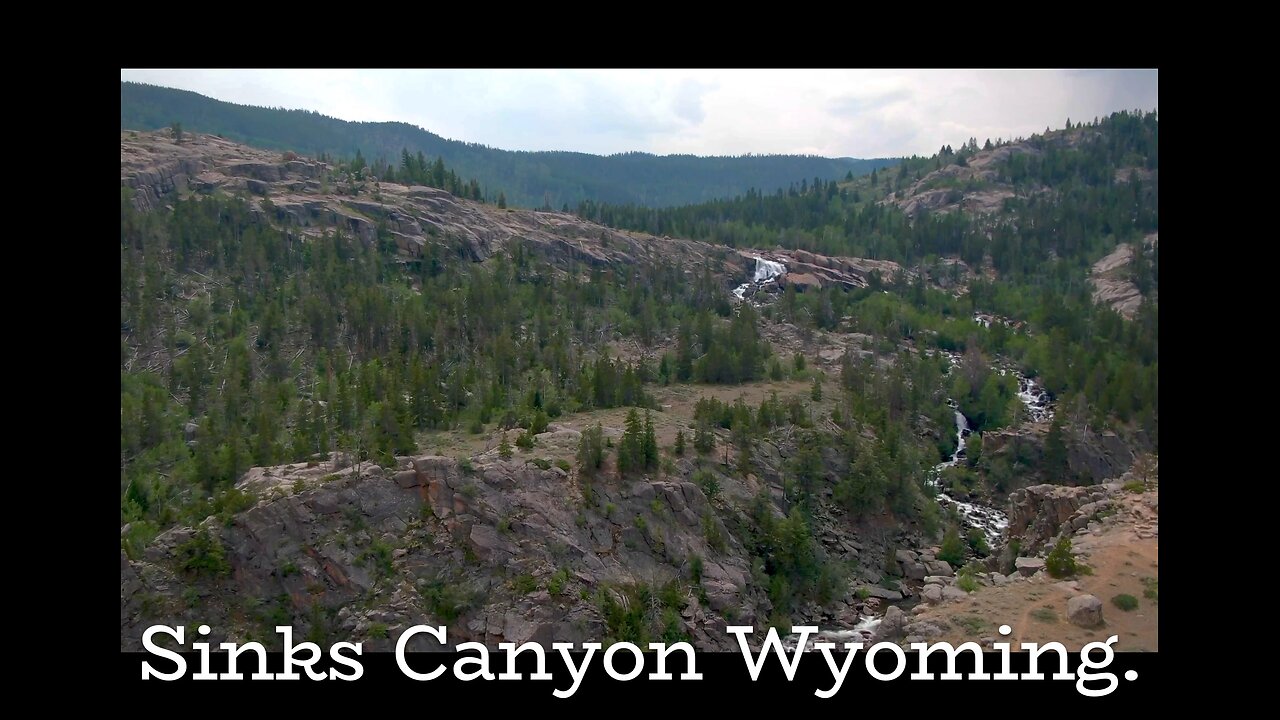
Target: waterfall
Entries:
(766, 271)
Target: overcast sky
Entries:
(836, 113)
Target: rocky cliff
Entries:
(310, 198)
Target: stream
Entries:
(991, 521)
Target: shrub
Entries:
(524, 584)
(1135, 486)
(444, 600)
(525, 441)
(1045, 615)
(1125, 602)
(203, 555)
(967, 583)
(709, 483)
(555, 585)
(1152, 589)
(978, 541)
(564, 465)
(953, 547)
(712, 534)
(1061, 563)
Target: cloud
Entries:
(688, 101)
(853, 104)
(850, 113)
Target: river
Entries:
(991, 521)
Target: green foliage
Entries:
(525, 441)
(678, 449)
(704, 438)
(379, 553)
(791, 564)
(953, 548)
(523, 584)
(1125, 602)
(591, 449)
(638, 613)
(504, 448)
(712, 533)
(202, 555)
(1045, 614)
(556, 585)
(977, 541)
(1151, 589)
(708, 481)
(445, 599)
(1061, 563)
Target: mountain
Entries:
(353, 406)
(528, 179)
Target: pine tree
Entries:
(649, 445)
(504, 447)
(631, 449)
(591, 449)
(678, 450)
(684, 353)
(704, 440)
(502, 200)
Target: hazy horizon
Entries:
(832, 113)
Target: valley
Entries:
(357, 406)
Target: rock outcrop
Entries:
(364, 553)
(1039, 513)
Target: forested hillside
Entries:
(355, 404)
(528, 179)
(1028, 218)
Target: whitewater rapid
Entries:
(766, 271)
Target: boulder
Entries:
(891, 626)
(940, 567)
(1028, 566)
(884, 593)
(1085, 611)
(932, 594)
